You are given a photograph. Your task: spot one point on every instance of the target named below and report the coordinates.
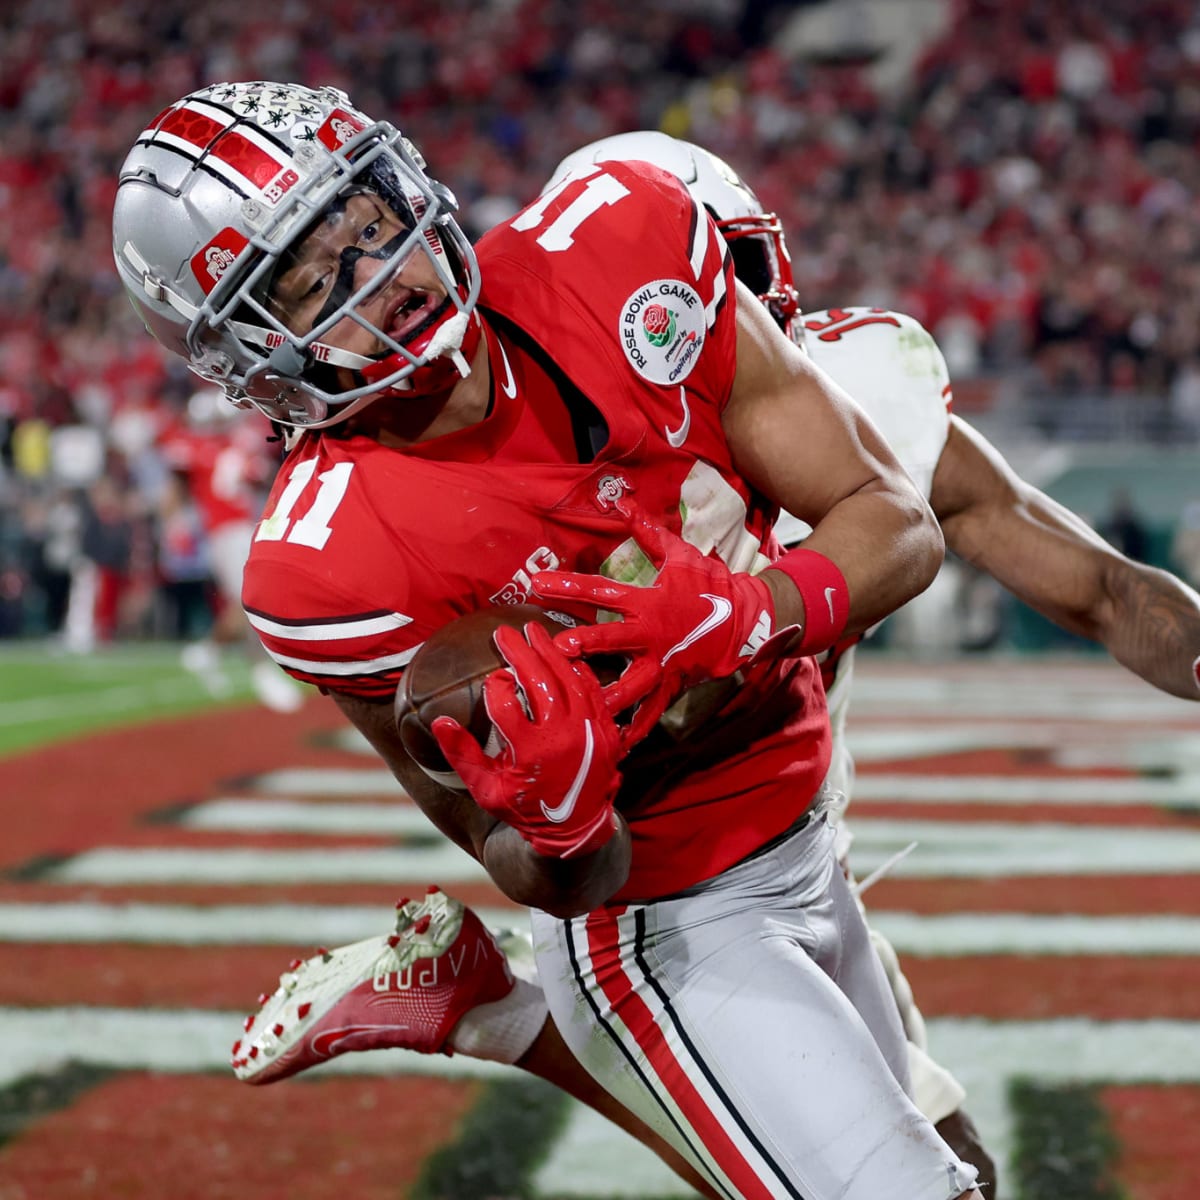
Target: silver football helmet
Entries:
(760, 255)
(214, 204)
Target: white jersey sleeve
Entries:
(889, 364)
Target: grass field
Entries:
(47, 695)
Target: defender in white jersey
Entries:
(1045, 555)
(894, 370)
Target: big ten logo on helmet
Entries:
(662, 330)
(517, 589)
(280, 186)
(210, 263)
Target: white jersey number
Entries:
(601, 191)
(313, 529)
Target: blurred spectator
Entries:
(103, 571)
(52, 531)
(1125, 528)
(1032, 177)
(183, 564)
(219, 453)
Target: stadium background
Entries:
(1021, 176)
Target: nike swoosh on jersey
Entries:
(829, 594)
(560, 812)
(722, 610)
(677, 437)
(509, 386)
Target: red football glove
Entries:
(556, 775)
(698, 620)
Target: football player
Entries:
(1040, 551)
(218, 452)
(587, 409)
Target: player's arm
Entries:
(798, 438)
(800, 441)
(562, 887)
(1052, 560)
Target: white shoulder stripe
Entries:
(330, 631)
(710, 309)
(705, 235)
(700, 239)
(367, 666)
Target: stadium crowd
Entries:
(1030, 191)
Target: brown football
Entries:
(445, 678)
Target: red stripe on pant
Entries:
(619, 990)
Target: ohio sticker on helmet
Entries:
(662, 328)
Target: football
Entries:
(445, 678)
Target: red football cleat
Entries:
(407, 990)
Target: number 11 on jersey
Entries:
(313, 528)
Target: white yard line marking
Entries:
(1182, 792)
(986, 1055)
(953, 934)
(992, 849)
(396, 817)
(215, 925)
(1099, 693)
(580, 1163)
(113, 865)
(945, 849)
(937, 936)
(330, 781)
(174, 1041)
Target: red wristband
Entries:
(822, 587)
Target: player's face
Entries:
(344, 251)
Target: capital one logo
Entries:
(518, 588)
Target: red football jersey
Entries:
(224, 469)
(609, 316)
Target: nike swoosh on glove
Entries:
(556, 775)
(698, 620)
